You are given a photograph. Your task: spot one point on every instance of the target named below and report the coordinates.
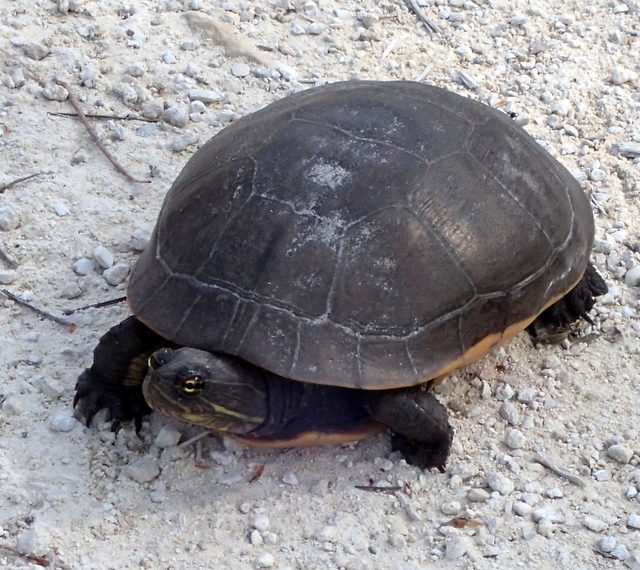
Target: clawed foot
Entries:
(420, 454)
(122, 403)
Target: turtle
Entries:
(320, 264)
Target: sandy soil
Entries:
(78, 498)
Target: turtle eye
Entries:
(159, 358)
(191, 385)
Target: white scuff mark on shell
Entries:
(328, 174)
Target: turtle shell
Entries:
(363, 234)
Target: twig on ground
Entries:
(40, 312)
(105, 117)
(200, 462)
(4, 187)
(389, 490)
(431, 26)
(195, 438)
(76, 105)
(99, 305)
(558, 469)
(39, 560)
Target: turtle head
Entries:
(217, 392)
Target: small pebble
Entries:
(205, 95)
(522, 509)
(226, 116)
(167, 436)
(629, 149)
(60, 208)
(159, 494)
(17, 80)
(477, 495)
(561, 107)
(139, 239)
(153, 109)
(504, 392)
(621, 453)
(602, 475)
(143, 470)
(240, 69)
(9, 219)
(261, 523)
(597, 174)
(527, 395)
(116, 274)
(595, 524)
(606, 544)
(27, 541)
(175, 116)
(545, 528)
(71, 290)
(515, 439)
(136, 69)
(510, 413)
(634, 521)
(633, 561)
(457, 547)
(55, 93)
(265, 560)
(7, 276)
(500, 483)
(183, 142)
(289, 479)
(555, 493)
(103, 256)
(256, 538)
(621, 75)
(451, 507)
(127, 93)
(35, 51)
(62, 421)
(288, 73)
(315, 28)
(83, 266)
(383, 463)
(632, 277)
(547, 512)
(620, 552)
(464, 470)
(168, 58)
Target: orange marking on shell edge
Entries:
(488, 343)
(315, 438)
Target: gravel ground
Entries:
(178, 71)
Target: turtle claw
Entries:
(420, 454)
(554, 324)
(122, 404)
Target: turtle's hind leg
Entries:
(420, 422)
(554, 323)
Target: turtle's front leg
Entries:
(114, 380)
(420, 422)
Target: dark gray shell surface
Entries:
(362, 234)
